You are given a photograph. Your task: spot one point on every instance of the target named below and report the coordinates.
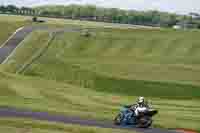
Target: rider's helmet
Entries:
(141, 100)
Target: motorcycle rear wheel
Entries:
(118, 119)
(145, 122)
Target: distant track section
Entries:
(7, 48)
(16, 38)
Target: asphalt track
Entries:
(23, 113)
(7, 49)
(13, 42)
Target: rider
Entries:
(141, 105)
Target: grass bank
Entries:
(33, 126)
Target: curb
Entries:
(183, 130)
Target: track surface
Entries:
(12, 43)
(8, 48)
(19, 113)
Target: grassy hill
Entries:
(93, 76)
(132, 62)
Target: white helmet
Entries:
(141, 100)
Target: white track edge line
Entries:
(11, 36)
(12, 53)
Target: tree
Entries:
(194, 15)
(87, 11)
(12, 8)
(3, 9)
(99, 14)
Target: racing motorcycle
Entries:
(142, 120)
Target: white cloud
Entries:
(179, 6)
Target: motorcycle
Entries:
(142, 120)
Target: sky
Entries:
(174, 6)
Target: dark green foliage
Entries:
(12, 9)
(93, 13)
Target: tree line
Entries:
(112, 15)
(12, 9)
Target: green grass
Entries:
(117, 61)
(35, 42)
(33, 126)
(56, 97)
(93, 76)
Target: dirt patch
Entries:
(186, 131)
